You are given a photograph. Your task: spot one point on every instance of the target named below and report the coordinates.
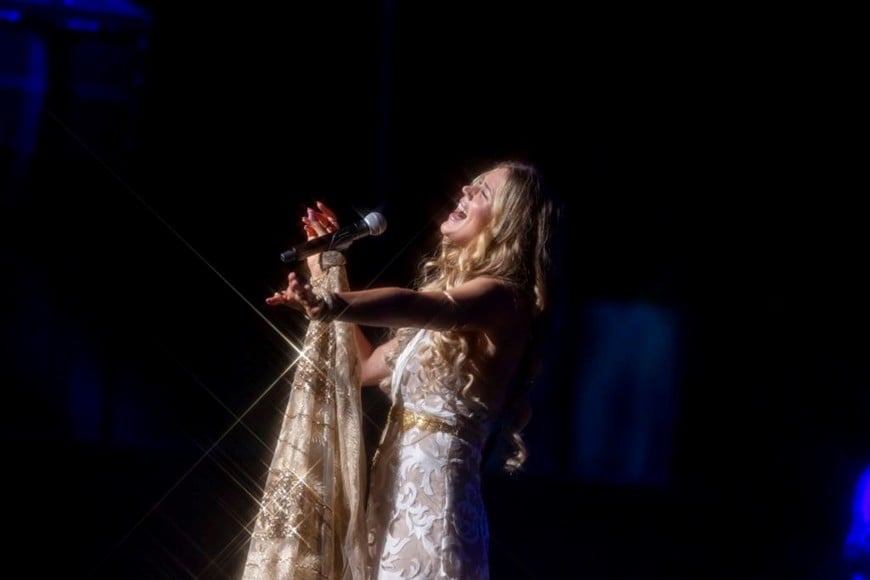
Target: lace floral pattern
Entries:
(425, 515)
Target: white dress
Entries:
(425, 515)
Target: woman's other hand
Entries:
(299, 295)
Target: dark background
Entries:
(703, 409)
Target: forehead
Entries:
(494, 178)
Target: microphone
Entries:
(373, 224)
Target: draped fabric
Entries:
(311, 520)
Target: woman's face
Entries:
(474, 210)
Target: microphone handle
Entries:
(338, 240)
(343, 238)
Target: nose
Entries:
(468, 190)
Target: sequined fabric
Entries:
(425, 514)
(310, 523)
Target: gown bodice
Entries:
(425, 514)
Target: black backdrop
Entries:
(704, 161)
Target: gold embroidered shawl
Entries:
(311, 522)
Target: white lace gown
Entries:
(425, 516)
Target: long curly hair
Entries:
(515, 247)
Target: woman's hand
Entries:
(316, 223)
(299, 295)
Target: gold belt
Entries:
(409, 419)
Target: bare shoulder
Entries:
(484, 287)
(492, 304)
(504, 323)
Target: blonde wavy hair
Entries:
(515, 247)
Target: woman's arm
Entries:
(373, 364)
(484, 304)
(373, 368)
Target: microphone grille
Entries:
(376, 222)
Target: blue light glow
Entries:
(857, 546)
(9, 15)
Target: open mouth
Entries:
(459, 213)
